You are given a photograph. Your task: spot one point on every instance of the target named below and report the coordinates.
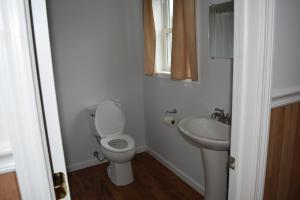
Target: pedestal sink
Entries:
(213, 139)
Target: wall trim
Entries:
(94, 161)
(279, 93)
(183, 176)
(284, 97)
(7, 163)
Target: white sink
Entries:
(213, 139)
(206, 132)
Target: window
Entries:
(167, 36)
(163, 17)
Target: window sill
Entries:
(167, 75)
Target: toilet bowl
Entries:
(117, 147)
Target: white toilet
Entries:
(108, 122)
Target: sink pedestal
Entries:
(213, 138)
(215, 170)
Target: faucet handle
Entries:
(228, 118)
(219, 110)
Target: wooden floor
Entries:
(9, 189)
(152, 181)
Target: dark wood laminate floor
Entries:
(152, 181)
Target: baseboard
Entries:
(140, 149)
(94, 161)
(7, 163)
(84, 164)
(188, 180)
(7, 168)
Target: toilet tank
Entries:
(91, 110)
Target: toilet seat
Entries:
(115, 142)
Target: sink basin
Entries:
(213, 139)
(207, 133)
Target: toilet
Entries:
(108, 120)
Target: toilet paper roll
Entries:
(170, 121)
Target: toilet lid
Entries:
(109, 118)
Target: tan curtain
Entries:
(184, 53)
(149, 38)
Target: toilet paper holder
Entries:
(170, 118)
(174, 111)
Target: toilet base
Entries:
(120, 173)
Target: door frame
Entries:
(254, 24)
(251, 105)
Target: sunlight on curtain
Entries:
(184, 52)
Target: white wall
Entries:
(286, 67)
(213, 90)
(94, 57)
(6, 156)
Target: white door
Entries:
(28, 109)
(43, 58)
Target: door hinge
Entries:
(59, 181)
(231, 162)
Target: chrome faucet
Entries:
(221, 116)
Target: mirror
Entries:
(221, 30)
